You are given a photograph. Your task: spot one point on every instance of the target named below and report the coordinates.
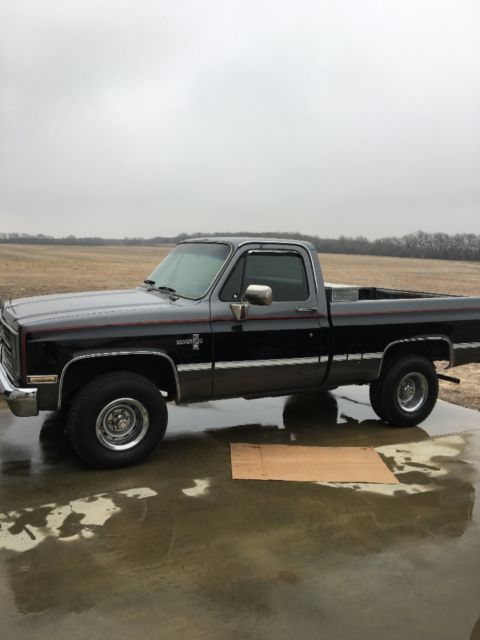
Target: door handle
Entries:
(306, 309)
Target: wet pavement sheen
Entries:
(174, 548)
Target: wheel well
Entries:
(434, 349)
(155, 368)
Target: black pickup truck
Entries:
(222, 318)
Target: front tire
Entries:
(406, 392)
(376, 399)
(116, 420)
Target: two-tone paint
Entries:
(195, 350)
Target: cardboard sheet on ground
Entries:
(308, 464)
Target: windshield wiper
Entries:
(167, 289)
(163, 289)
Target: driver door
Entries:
(276, 348)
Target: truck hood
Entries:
(96, 307)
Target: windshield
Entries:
(190, 268)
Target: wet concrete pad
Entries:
(174, 548)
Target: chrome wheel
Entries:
(122, 424)
(116, 420)
(412, 392)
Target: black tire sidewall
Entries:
(393, 412)
(90, 401)
(375, 393)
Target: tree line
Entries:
(459, 246)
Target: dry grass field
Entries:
(27, 270)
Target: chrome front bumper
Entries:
(21, 402)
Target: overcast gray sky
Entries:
(137, 118)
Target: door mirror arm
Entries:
(240, 310)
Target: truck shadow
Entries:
(312, 419)
(328, 420)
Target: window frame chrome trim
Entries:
(280, 252)
(289, 244)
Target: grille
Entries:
(9, 349)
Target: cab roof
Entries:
(236, 241)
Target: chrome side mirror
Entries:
(259, 294)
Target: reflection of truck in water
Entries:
(221, 318)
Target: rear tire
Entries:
(406, 392)
(116, 420)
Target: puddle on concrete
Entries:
(26, 528)
(199, 489)
(429, 458)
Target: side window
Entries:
(284, 273)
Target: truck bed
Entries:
(367, 321)
(352, 293)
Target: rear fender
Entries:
(433, 347)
